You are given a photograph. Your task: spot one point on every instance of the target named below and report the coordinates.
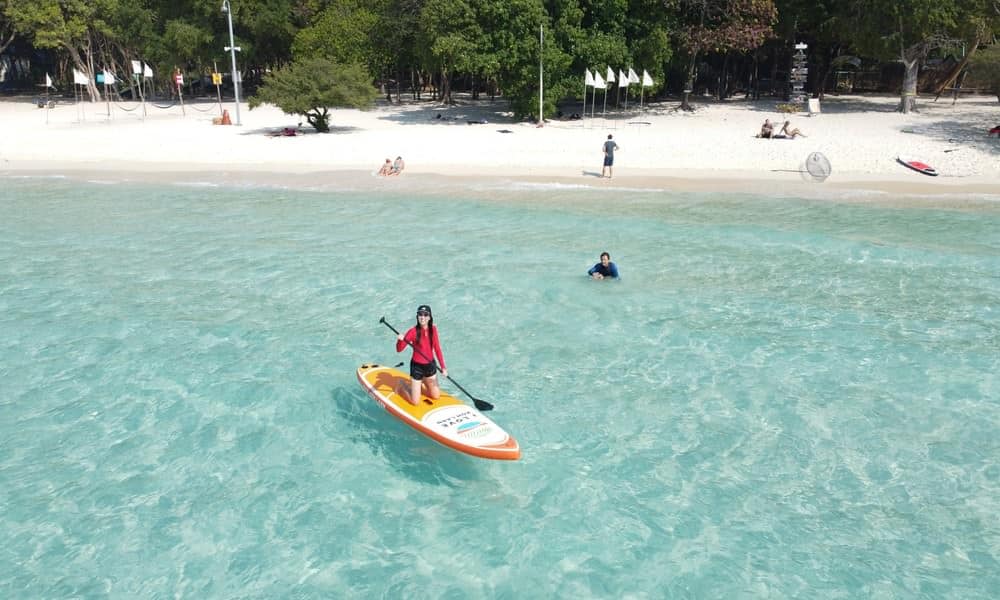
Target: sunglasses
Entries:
(423, 314)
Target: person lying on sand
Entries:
(789, 133)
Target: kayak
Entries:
(447, 420)
(916, 165)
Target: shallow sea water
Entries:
(781, 398)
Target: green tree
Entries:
(68, 25)
(722, 25)
(451, 39)
(985, 68)
(7, 32)
(817, 23)
(907, 30)
(395, 40)
(311, 86)
(342, 32)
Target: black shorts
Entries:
(420, 371)
(609, 161)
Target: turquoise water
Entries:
(781, 398)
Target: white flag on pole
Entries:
(136, 67)
(610, 77)
(622, 79)
(632, 77)
(590, 79)
(79, 78)
(48, 81)
(647, 81)
(146, 71)
(598, 82)
(109, 79)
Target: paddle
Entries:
(480, 404)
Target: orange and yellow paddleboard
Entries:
(446, 420)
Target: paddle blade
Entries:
(482, 404)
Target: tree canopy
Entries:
(431, 46)
(311, 86)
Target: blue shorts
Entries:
(609, 161)
(420, 371)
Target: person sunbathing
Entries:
(789, 133)
(766, 130)
(386, 169)
(397, 166)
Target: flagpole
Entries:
(583, 115)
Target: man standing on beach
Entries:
(609, 156)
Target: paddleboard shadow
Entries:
(405, 452)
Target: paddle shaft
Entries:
(480, 404)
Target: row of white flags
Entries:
(624, 80)
(79, 78)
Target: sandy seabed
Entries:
(713, 148)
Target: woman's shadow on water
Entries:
(409, 452)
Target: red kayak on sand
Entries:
(916, 165)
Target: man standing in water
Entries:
(609, 156)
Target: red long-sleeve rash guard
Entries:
(423, 351)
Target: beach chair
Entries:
(813, 106)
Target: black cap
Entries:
(424, 308)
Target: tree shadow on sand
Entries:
(971, 133)
(462, 113)
(409, 452)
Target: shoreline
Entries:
(479, 145)
(954, 193)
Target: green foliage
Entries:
(886, 30)
(311, 86)
(186, 41)
(984, 68)
(58, 23)
(343, 33)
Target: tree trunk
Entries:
(689, 84)
(445, 87)
(83, 67)
(908, 96)
(6, 39)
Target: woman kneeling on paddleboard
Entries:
(423, 338)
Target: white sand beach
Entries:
(713, 148)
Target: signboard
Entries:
(216, 78)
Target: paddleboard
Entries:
(916, 165)
(446, 420)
